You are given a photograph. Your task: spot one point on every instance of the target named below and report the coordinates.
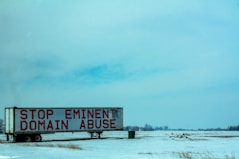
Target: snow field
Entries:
(116, 145)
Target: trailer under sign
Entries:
(70, 119)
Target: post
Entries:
(131, 134)
(7, 137)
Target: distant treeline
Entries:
(148, 127)
(233, 128)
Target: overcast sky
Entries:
(166, 62)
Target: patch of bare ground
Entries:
(185, 137)
(68, 146)
(223, 136)
(207, 155)
(145, 153)
(185, 155)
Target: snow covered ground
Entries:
(115, 145)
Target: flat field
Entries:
(116, 145)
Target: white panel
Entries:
(9, 120)
(11, 117)
(6, 120)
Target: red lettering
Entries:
(105, 123)
(32, 110)
(49, 112)
(41, 114)
(57, 124)
(68, 114)
(33, 125)
(113, 112)
(49, 126)
(97, 113)
(83, 113)
(82, 125)
(23, 115)
(105, 113)
(112, 123)
(41, 124)
(76, 113)
(64, 124)
(90, 113)
(23, 125)
(90, 124)
(98, 125)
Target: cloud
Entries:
(165, 54)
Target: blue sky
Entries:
(166, 62)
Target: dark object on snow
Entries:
(131, 134)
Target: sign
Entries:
(68, 119)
